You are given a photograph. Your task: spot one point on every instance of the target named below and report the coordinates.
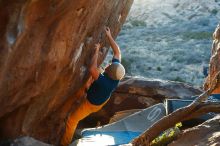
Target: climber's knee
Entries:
(82, 111)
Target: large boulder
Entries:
(46, 47)
(214, 66)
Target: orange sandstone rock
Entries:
(45, 49)
(214, 65)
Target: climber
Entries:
(100, 90)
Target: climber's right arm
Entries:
(93, 69)
(113, 44)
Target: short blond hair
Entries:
(116, 71)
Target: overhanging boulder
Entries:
(46, 48)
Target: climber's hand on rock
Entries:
(97, 47)
(108, 31)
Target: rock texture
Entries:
(214, 65)
(46, 46)
(27, 141)
(139, 93)
(206, 134)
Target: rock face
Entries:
(139, 93)
(214, 66)
(202, 135)
(46, 48)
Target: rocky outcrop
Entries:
(139, 93)
(202, 135)
(46, 48)
(214, 66)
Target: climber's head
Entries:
(116, 71)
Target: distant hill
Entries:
(169, 39)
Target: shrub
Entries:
(178, 79)
(167, 136)
(159, 68)
(138, 23)
(214, 11)
(197, 35)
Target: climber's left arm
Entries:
(93, 69)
